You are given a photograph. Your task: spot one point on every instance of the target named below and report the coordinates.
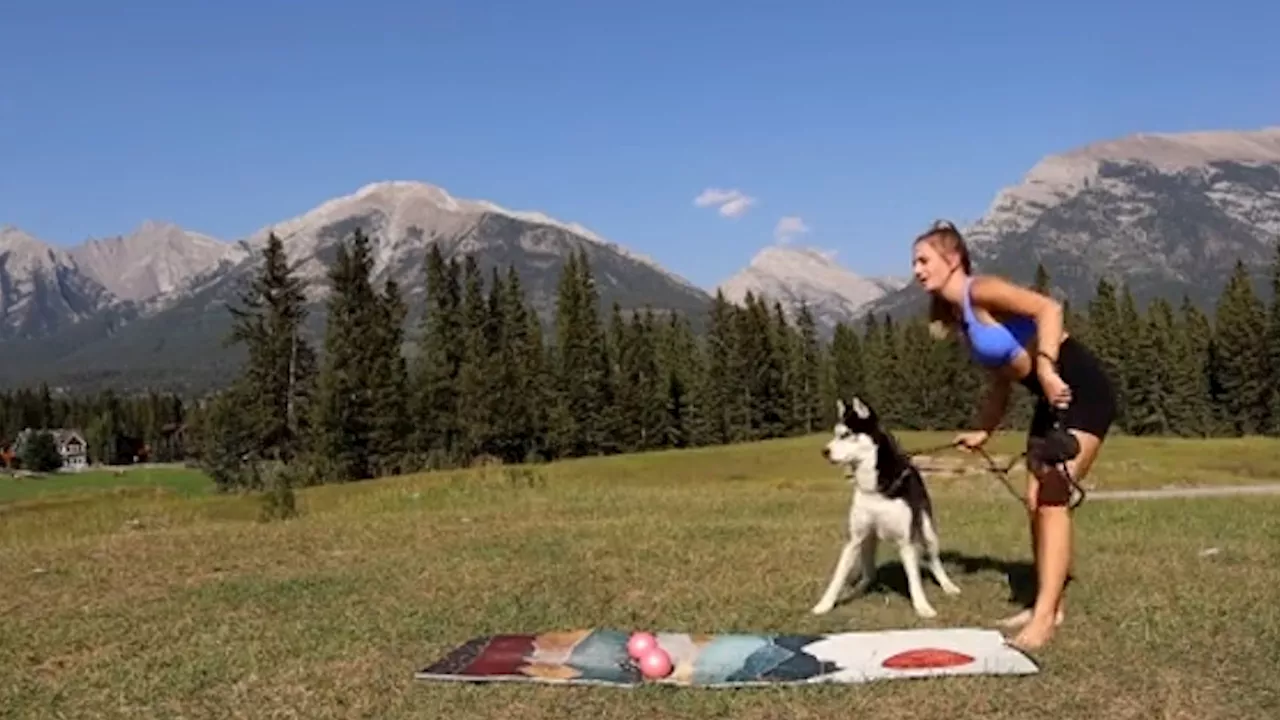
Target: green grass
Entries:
(147, 602)
(179, 479)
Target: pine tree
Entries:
(682, 363)
(1240, 325)
(924, 395)
(1149, 401)
(1272, 342)
(580, 362)
(848, 374)
(874, 390)
(786, 357)
(389, 384)
(808, 380)
(476, 370)
(520, 421)
(1129, 338)
(435, 376)
(723, 405)
(279, 372)
(624, 412)
(1105, 338)
(1190, 400)
(344, 404)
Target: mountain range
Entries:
(1167, 213)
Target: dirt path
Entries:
(1181, 492)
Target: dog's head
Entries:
(856, 436)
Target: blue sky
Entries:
(865, 123)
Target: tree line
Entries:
(483, 383)
(116, 429)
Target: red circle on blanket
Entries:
(926, 658)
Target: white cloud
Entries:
(733, 203)
(788, 227)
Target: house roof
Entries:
(61, 436)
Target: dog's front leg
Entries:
(849, 556)
(911, 566)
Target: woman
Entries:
(1017, 334)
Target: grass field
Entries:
(180, 480)
(161, 600)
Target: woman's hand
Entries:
(972, 440)
(1056, 391)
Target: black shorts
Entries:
(1093, 397)
(1092, 408)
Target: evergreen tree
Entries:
(519, 411)
(40, 452)
(344, 405)
(808, 380)
(1192, 413)
(847, 373)
(1240, 326)
(476, 371)
(580, 362)
(723, 405)
(435, 377)
(1128, 339)
(279, 371)
(225, 441)
(682, 364)
(1272, 342)
(389, 442)
(1105, 337)
(1150, 403)
(873, 361)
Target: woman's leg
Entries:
(1052, 533)
(1023, 616)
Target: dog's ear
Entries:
(840, 409)
(860, 408)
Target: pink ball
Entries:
(640, 644)
(655, 664)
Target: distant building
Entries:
(70, 443)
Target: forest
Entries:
(486, 383)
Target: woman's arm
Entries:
(994, 403)
(996, 293)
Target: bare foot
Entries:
(1034, 636)
(1024, 617)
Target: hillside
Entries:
(174, 338)
(43, 290)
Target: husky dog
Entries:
(890, 502)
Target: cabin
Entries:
(71, 445)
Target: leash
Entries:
(1055, 450)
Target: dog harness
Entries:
(994, 345)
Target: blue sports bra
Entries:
(994, 345)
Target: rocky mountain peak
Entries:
(403, 216)
(1060, 177)
(157, 257)
(1164, 214)
(792, 274)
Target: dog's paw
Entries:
(821, 608)
(951, 589)
(926, 611)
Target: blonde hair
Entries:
(944, 237)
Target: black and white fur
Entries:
(890, 502)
